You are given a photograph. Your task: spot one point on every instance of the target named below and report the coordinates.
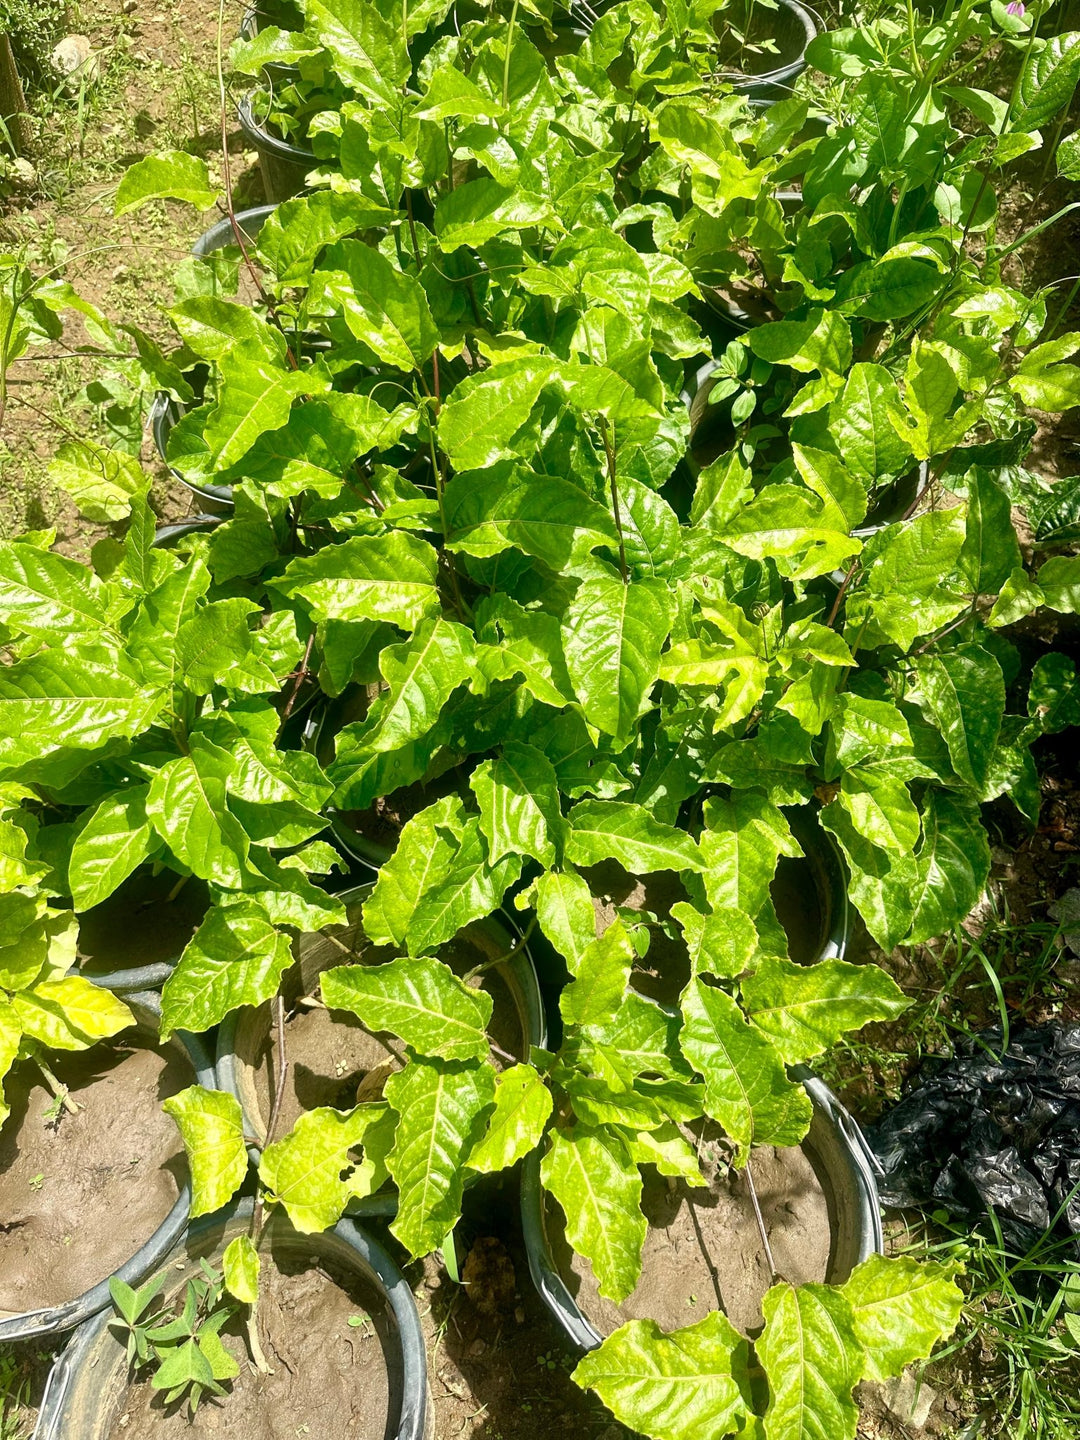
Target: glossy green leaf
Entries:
(69, 1014)
(542, 515)
(679, 1385)
(102, 482)
(384, 308)
(240, 1266)
(1048, 80)
(746, 1086)
(805, 1009)
(523, 1107)
(902, 1307)
(369, 51)
(211, 1126)
(422, 1001)
(612, 638)
(963, 692)
(593, 1177)
(311, 1172)
(601, 979)
(114, 842)
(812, 1359)
(169, 175)
(1054, 693)
(953, 862)
(620, 830)
(722, 943)
(236, 957)
(518, 795)
(480, 418)
(564, 908)
(441, 1113)
(471, 887)
(370, 577)
(188, 807)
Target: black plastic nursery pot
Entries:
(285, 167)
(125, 1195)
(367, 1380)
(821, 1212)
(335, 1061)
(790, 27)
(167, 412)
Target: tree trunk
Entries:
(12, 100)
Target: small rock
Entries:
(519, 1314)
(130, 6)
(22, 174)
(75, 58)
(908, 1400)
(477, 1348)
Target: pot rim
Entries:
(555, 1293)
(781, 77)
(346, 1241)
(51, 1320)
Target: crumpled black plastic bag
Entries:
(977, 1132)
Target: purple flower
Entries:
(1015, 7)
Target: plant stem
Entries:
(301, 675)
(258, 1215)
(761, 1225)
(60, 1091)
(509, 52)
(609, 451)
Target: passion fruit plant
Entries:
(465, 491)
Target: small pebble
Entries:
(477, 1347)
(519, 1315)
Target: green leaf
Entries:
(212, 1128)
(110, 846)
(296, 231)
(675, 1386)
(805, 1009)
(859, 427)
(620, 830)
(422, 1001)
(1047, 82)
(530, 645)
(423, 857)
(820, 342)
(441, 1112)
(59, 700)
(746, 1086)
(991, 551)
(240, 1269)
(214, 648)
(880, 805)
(888, 289)
(384, 308)
(187, 806)
(472, 887)
(722, 943)
(368, 52)
(480, 210)
(1059, 581)
(601, 979)
(181, 1366)
(612, 638)
(564, 909)
(962, 692)
(152, 636)
(102, 482)
(541, 515)
(812, 1359)
(1054, 694)
(842, 494)
(741, 844)
(236, 957)
(880, 882)
(787, 523)
(69, 1014)
(523, 1106)
(255, 394)
(309, 1171)
(370, 577)
(518, 795)
(170, 175)
(421, 673)
(485, 410)
(592, 1176)
(953, 862)
(902, 1307)
(1068, 157)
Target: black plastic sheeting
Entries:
(988, 1130)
